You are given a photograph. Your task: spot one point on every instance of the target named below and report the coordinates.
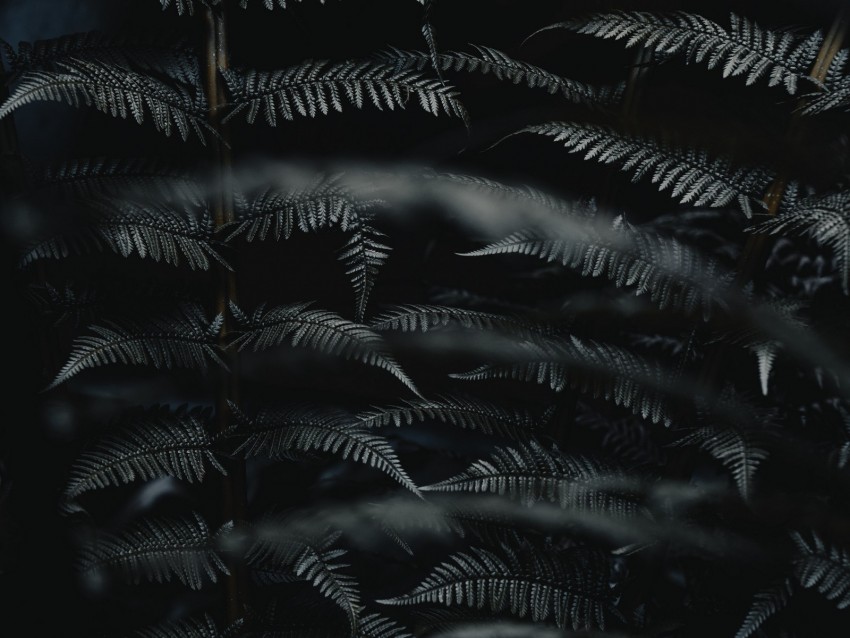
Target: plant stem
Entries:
(754, 251)
(753, 256)
(233, 485)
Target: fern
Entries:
(423, 318)
(155, 231)
(115, 91)
(148, 445)
(597, 369)
(532, 473)
(826, 219)
(766, 604)
(311, 561)
(161, 550)
(491, 61)
(744, 49)
(324, 203)
(376, 626)
(278, 433)
(463, 412)
(203, 627)
(176, 60)
(319, 330)
(530, 583)
(824, 568)
(185, 339)
(672, 275)
(739, 449)
(837, 96)
(318, 87)
(94, 178)
(692, 176)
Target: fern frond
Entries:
(837, 96)
(308, 560)
(175, 59)
(324, 203)
(529, 583)
(739, 450)
(745, 49)
(186, 339)
(93, 178)
(161, 550)
(597, 369)
(824, 568)
(148, 445)
(489, 61)
(203, 627)
(316, 88)
(377, 626)
(116, 91)
(532, 473)
(156, 231)
(464, 412)
(766, 604)
(826, 219)
(277, 433)
(423, 318)
(671, 274)
(319, 330)
(692, 176)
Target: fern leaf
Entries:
(741, 451)
(278, 433)
(671, 274)
(116, 91)
(160, 551)
(319, 330)
(691, 176)
(766, 604)
(464, 412)
(176, 60)
(185, 340)
(532, 583)
(826, 219)
(745, 49)
(324, 203)
(376, 626)
(153, 231)
(489, 61)
(837, 96)
(423, 318)
(203, 627)
(824, 568)
(532, 473)
(94, 178)
(148, 445)
(316, 88)
(597, 369)
(308, 560)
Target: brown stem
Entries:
(753, 256)
(756, 247)
(233, 485)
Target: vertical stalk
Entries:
(233, 485)
(756, 246)
(753, 256)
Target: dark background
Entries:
(40, 594)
